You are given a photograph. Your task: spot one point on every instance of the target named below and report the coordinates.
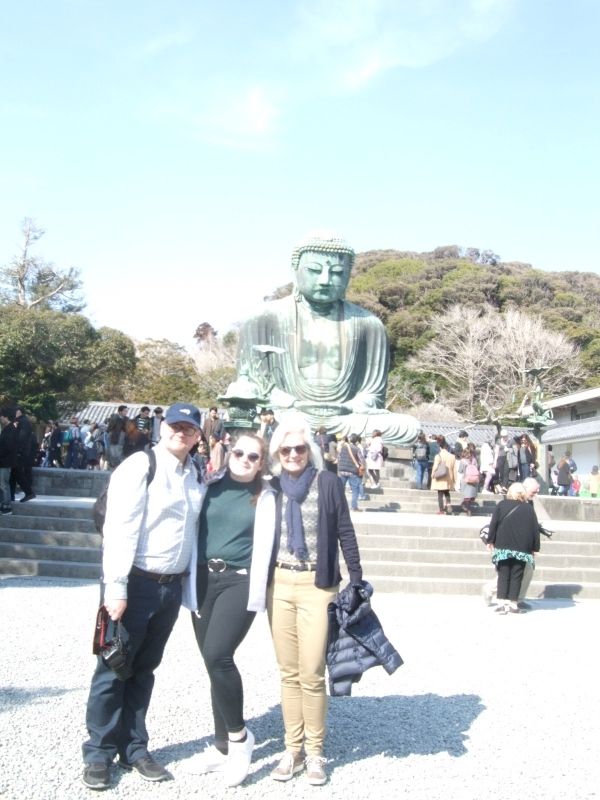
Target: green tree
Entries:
(165, 373)
(112, 364)
(51, 361)
(30, 282)
(214, 383)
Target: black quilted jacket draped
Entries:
(356, 641)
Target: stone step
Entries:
(41, 523)
(469, 557)
(78, 508)
(69, 482)
(472, 544)
(449, 585)
(393, 497)
(410, 506)
(52, 552)
(50, 569)
(467, 527)
(482, 571)
(61, 538)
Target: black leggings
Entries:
(510, 577)
(374, 475)
(221, 627)
(443, 498)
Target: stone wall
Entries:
(69, 482)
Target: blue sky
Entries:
(175, 152)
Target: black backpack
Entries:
(100, 504)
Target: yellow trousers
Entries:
(298, 618)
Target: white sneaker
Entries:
(237, 763)
(210, 760)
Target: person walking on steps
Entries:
(443, 475)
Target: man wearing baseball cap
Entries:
(152, 511)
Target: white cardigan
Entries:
(262, 549)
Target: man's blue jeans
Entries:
(116, 709)
(421, 474)
(355, 483)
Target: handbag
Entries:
(484, 533)
(113, 651)
(441, 471)
(100, 630)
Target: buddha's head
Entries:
(322, 265)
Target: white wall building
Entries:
(577, 429)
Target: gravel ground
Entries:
(484, 707)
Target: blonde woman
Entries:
(313, 523)
(514, 537)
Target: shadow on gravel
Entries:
(363, 727)
(400, 726)
(11, 696)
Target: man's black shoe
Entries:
(147, 768)
(96, 775)
(26, 498)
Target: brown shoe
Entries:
(315, 770)
(290, 765)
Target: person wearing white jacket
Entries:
(225, 590)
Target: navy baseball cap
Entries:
(183, 412)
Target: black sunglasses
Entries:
(299, 449)
(253, 457)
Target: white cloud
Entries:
(350, 42)
(157, 45)
(330, 47)
(245, 119)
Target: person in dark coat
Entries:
(8, 457)
(55, 453)
(22, 473)
(564, 477)
(514, 536)
(356, 640)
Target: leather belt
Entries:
(218, 565)
(301, 566)
(159, 577)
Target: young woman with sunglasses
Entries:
(236, 533)
(312, 521)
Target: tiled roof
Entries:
(100, 412)
(573, 431)
(478, 434)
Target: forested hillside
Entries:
(419, 296)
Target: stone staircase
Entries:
(405, 546)
(50, 536)
(425, 554)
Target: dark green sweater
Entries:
(227, 523)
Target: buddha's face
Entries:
(323, 277)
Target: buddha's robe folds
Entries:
(333, 367)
